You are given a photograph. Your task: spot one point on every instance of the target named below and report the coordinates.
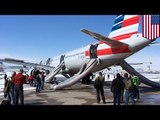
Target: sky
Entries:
(37, 37)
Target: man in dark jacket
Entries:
(117, 86)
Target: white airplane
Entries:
(122, 42)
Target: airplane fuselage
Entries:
(107, 55)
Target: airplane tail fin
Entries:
(124, 26)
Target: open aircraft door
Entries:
(93, 51)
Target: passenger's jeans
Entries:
(18, 90)
(10, 96)
(129, 94)
(38, 87)
(117, 98)
(42, 85)
(122, 94)
(136, 92)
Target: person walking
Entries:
(99, 84)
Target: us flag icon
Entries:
(151, 26)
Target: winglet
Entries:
(104, 39)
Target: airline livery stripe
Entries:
(108, 51)
(117, 27)
(119, 19)
(129, 16)
(118, 16)
(124, 36)
(125, 23)
(117, 23)
(130, 21)
(125, 30)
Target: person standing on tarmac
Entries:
(136, 82)
(10, 95)
(123, 87)
(42, 78)
(98, 84)
(38, 81)
(129, 89)
(116, 88)
(18, 81)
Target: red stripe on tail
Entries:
(130, 21)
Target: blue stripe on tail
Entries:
(119, 19)
(118, 26)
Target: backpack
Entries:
(129, 84)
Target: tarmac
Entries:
(81, 94)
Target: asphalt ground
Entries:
(81, 94)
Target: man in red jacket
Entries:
(18, 81)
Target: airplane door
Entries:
(62, 59)
(93, 51)
(48, 62)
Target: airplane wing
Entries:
(104, 39)
(136, 63)
(154, 44)
(21, 62)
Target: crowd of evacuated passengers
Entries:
(13, 85)
(126, 85)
